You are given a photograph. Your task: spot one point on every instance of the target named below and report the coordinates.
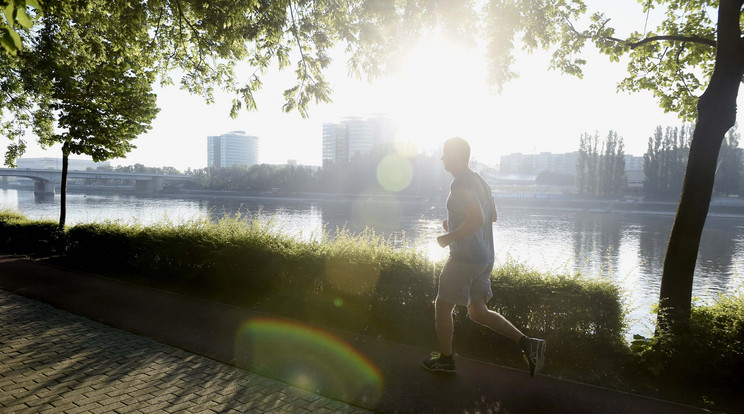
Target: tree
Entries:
(90, 89)
(16, 13)
(601, 172)
(665, 161)
(582, 161)
(686, 54)
(728, 174)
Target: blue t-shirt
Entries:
(478, 247)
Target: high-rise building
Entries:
(355, 136)
(361, 138)
(536, 163)
(233, 148)
(335, 144)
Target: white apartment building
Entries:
(233, 148)
(634, 171)
(361, 136)
(355, 136)
(536, 163)
(335, 143)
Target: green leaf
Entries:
(8, 10)
(33, 3)
(16, 39)
(7, 41)
(23, 18)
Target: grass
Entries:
(362, 283)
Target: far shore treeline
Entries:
(600, 171)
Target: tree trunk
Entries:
(716, 115)
(63, 185)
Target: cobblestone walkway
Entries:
(54, 361)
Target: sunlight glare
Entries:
(440, 92)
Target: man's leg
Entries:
(533, 348)
(444, 324)
(479, 312)
(442, 361)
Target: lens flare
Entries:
(368, 211)
(350, 277)
(307, 357)
(394, 173)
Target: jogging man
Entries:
(465, 278)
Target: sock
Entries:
(523, 345)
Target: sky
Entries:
(440, 91)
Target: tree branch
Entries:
(305, 67)
(686, 39)
(651, 39)
(295, 31)
(182, 16)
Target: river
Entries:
(626, 248)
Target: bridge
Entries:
(45, 181)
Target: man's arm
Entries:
(474, 219)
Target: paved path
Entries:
(54, 361)
(67, 363)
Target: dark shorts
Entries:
(461, 283)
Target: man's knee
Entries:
(478, 312)
(441, 305)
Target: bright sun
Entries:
(441, 92)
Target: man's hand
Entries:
(444, 240)
(445, 225)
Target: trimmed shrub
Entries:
(704, 365)
(19, 235)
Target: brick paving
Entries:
(54, 361)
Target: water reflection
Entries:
(718, 250)
(596, 236)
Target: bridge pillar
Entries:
(43, 190)
(150, 186)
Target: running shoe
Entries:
(435, 362)
(534, 354)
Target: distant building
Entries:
(634, 171)
(537, 163)
(355, 136)
(233, 148)
(524, 165)
(361, 138)
(49, 163)
(335, 144)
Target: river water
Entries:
(625, 248)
